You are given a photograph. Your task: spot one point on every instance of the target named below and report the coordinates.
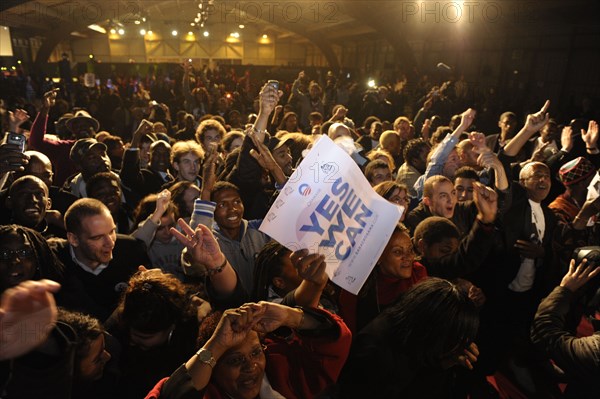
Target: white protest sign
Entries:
(328, 207)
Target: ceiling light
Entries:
(265, 36)
(242, 26)
(174, 32)
(190, 33)
(206, 33)
(137, 22)
(143, 32)
(97, 28)
(113, 31)
(121, 31)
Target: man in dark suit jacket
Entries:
(98, 261)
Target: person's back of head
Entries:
(435, 321)
(153, 302)
(413, 154)
(434, 230)
(390, 141)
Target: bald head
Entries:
(39, 166)
(338, 130)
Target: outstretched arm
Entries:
(533, 124)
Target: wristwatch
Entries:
(206, 356)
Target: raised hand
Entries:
(12, 159)
(262, 154)
(16, 119)
(269, 316)
(566, 139)
(145, 127)
(536, 121)
(201, 244)
(469, 356)
(234, 326)
(340, 114)
(311, 267)
(29, 307)
(466, 119)
(486, 201)
(478, 141)
(576, 277)
(50, 98)
(590, 137)
(538, 154)
(162, 202)
(209, 170)
(268, 99)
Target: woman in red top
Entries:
(395, 272)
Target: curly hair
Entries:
(154, 301)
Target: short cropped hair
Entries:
(428, 185)
(220, 186)
(81, 209)
(435, 229)
(466, 172)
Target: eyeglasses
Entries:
(9, 254)
(238, 360)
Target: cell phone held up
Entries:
(274, 83)
(16, 139)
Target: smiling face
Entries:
(536, 180)
(398, 256)
(28, 201)
(442, 200)
(229, 211)
(17, 260)
(239, 372)
(96, 240)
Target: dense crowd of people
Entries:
(132, 264)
